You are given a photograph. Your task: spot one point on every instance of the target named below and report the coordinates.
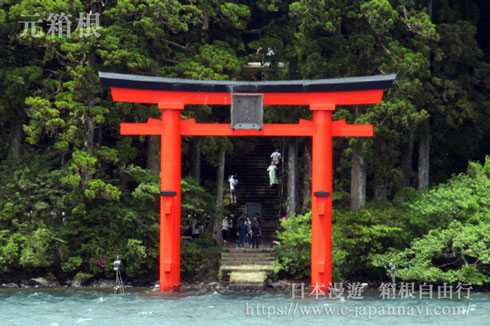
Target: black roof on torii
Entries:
(221, 86)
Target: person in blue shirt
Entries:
(242, 232)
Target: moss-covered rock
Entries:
(80, 279)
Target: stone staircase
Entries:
(246, 269)
(253, 187)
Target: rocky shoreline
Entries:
(42, 282)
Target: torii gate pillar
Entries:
(321, 201)
(170, 187)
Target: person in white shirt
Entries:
(233, 182)
(224, 228)
(276, 157)
(195, 227)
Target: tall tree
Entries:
(358, 179)
(292, 176)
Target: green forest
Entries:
(74, 192)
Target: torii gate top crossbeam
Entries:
(337, 91)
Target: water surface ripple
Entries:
(57, 307)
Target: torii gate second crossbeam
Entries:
(171, 95)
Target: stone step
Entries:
(247, 277)
(266, 260)
(247, 250)
(247, 268)
(247, 259)
(247, 256)
(243, 263)
(251, 257)
(227, 260)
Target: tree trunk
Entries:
(88, 143)
(358, 179)
(152, 151)
(196, 158)
(357, 174)
(307, 178)
(407, 159)
(89, 139)
(292, 166)
(423, 163)
(100, 135)
(89, 135)
(16, 139)
(220, 176)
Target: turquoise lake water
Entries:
(56, 307)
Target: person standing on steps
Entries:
(234, 226)
(224, 228)
(272, 169)
(258, 218)
(276, 157)
(255, 233)
(248, 223)
(247, 219)
(233, 181)
(242, 234)
(195, 228)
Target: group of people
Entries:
(195, 225)
(242, 230)
(272, 169)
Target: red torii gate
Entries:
(322, 96)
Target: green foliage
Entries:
(457, 246)
(72, 264)
(199, 258)
(464, 197)
(357, 236)
(195, 199)
(293, 255)
(10, 249)
(454, 254)
(40, 249)
(134, 257)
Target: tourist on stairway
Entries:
(258, 218)
(224, 228)
(248, 223)
(242, 234)
(233, 181)
(272, 169)
(234, 226)
(276, 157)
(196, 225)
(255, 227)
